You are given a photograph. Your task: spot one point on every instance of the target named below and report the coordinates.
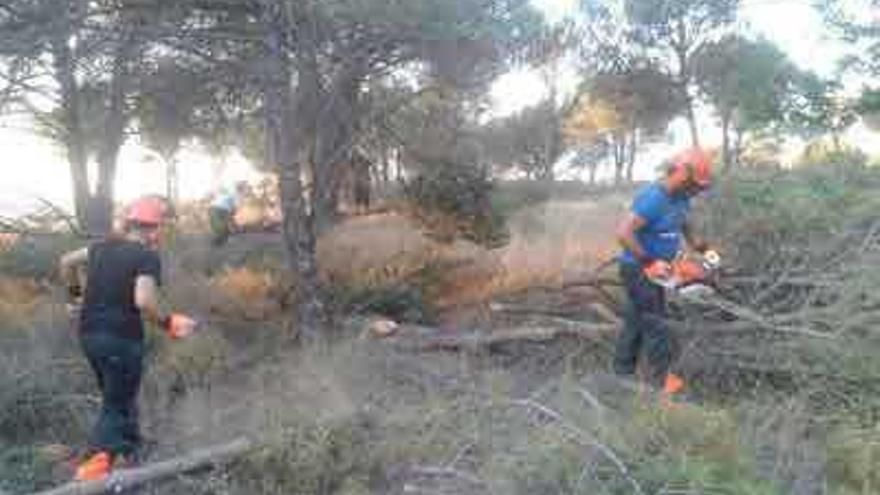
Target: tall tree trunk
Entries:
(113, 138)
(290, 143)
(72, 130)
(681, 48)
(335, 133)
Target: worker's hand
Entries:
(179, 326)
(657, 270)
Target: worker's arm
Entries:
(146, 298)
(69, 266)
(626, 236)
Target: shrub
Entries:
(463, 193)
(36, 256)
(20, 299)
(854, 460)
(23, 468)
(322, 457)
(247, 293)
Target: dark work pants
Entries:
(118, 365)
(220, 229)
(644, 327)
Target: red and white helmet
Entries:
(694, 165)
(148, 211)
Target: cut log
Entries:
(127, 479)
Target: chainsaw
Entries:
(689, 274)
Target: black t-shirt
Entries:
(113, 267)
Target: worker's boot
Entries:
(672, 385)
(95, 467)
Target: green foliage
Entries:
(24, 468)
(756, 88)
(868, 106)
(322, 457)
(854, 460)
(643, 97)
(166, 107)
(694, 449)
(855, 25)
(825, 154)
(530, 141)
(656, 20)
(36, 257)
(747, 80)
(402, 302)
(43, 385)
(464, 194)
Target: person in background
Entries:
(651, 236)
(120, 291)
(221, 213)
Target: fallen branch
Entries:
(602, 310)
(585, 438)
(474, 341)
(444, 472)
(761, 321)
(126, 479)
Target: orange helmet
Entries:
(146, 211)
(694, 164)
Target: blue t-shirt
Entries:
(225, 200)
(665, 216)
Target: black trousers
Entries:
(645, 327)
(118, 366)
(220, 228)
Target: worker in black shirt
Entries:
(120, 291)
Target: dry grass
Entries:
(20, 299)
(375, 251)
(246, 293)
(548, 242)
(8, 240)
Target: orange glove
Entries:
(178, 326)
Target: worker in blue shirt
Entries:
(653, 233)
(221, 213)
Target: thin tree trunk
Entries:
(727, 160)
(631, 156)
(619, 157)
(692, 120)
(172, 181)
(737, 147)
